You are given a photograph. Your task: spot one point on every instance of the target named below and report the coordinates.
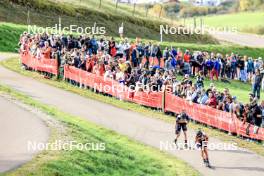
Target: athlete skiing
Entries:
(182, 120)
(201, 141)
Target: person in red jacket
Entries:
(101, 68)
(212, 102)
(46, 51)
(187, 56)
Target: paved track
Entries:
(17, 128)
(144, 129)
(250, 40)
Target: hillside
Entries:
(86, 13)
(9, 36)
(249, 22)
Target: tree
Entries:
(245, 5)
(158, 10)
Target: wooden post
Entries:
(161, 8)
(147, 9)
(116, 4)
(100, 4)
(28, 18)
(201, 23)
(134, 9)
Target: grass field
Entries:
(251, 22)
(109, 6)
(9, 36)
(121, 156)
(240, 89)
(85, 13)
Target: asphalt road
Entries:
(144, 129)
(250, 40)
(18, 128)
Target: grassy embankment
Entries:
(9, 36)
(121, 156)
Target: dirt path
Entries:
(17, 128)
(250, 40)
(144, 129)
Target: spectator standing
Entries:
(147, 54)
(241, 66)
(159, 54)
(250, 69)
(166, 54)
(215, 69)
(257, 84)
(233, 66)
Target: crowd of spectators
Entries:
(184, 72)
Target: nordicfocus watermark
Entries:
(65, 145)
(58, 29)
(191, 30)
(170, 146)
(113, 86)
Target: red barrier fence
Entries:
(201, 113)
(43, 64)
(151, 99)
(210, 116)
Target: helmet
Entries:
(199, 133)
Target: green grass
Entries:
(9, 36)
(121, 156)
(251, 22)
(46, 13)
(109, 6)
(13, 64)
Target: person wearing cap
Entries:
(182, 120)
(201, 141)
